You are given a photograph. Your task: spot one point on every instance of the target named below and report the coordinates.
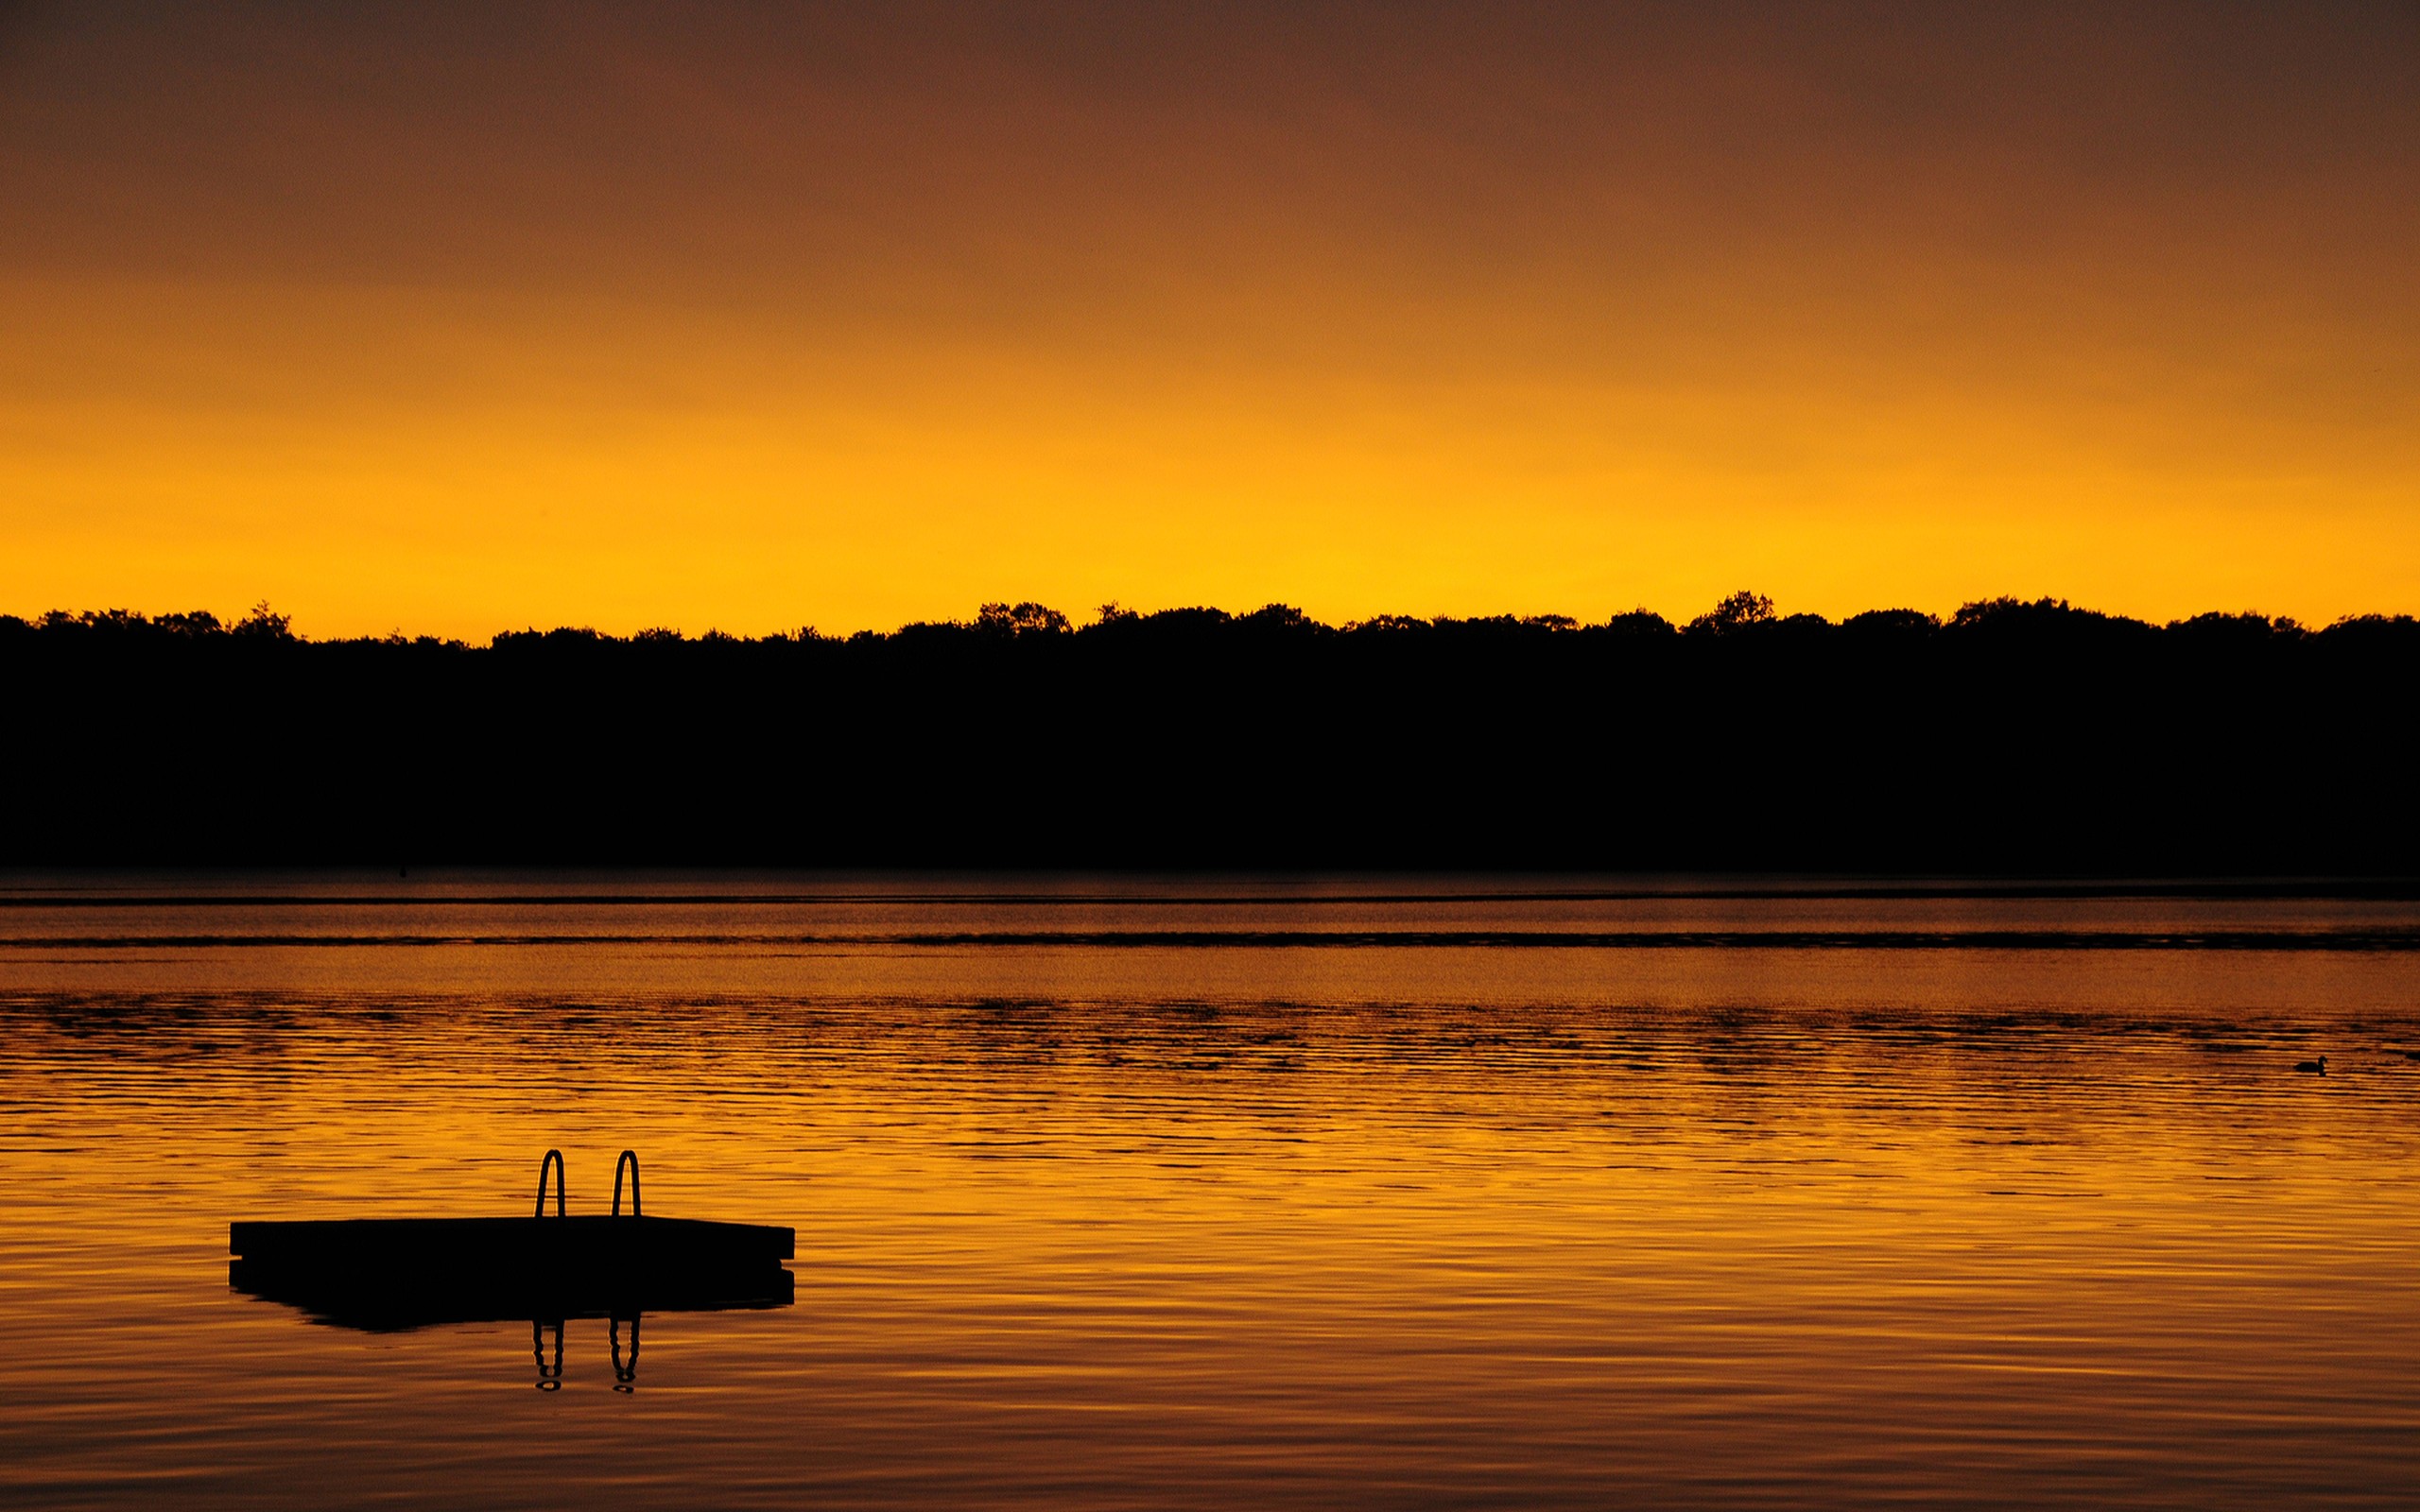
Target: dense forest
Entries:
(2013, 737)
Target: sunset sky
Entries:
(457, 318)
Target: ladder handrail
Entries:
(553, 1161)
(630, 1159)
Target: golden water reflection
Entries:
(1099, 1224)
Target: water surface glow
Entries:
(1118, 1194)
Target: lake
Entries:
(1381, 1191)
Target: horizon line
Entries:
(1743, 609)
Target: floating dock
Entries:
(402, 1273)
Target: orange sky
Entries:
(458, 319)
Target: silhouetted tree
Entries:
(1020, 619)
(1641, 624)
(2027, 735)
(265, 623)
(1735, 612)
(1900, 622)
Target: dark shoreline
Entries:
(90, 889)
(2394, 940)
(2015, 740)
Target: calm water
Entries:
(1188, 1194)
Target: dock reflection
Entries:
(394, 1307)
(393, 1304)
(626, 1376)
(547, 1349)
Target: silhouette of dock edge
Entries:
(386, 1274)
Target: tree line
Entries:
(2012, 736)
